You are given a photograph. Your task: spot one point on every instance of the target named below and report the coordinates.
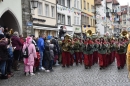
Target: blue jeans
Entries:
(41, 58)
(2, 67)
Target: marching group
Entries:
(45, 52)
(102, 50)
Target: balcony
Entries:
(98, 2)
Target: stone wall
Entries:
(26, 17)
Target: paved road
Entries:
(73, 76)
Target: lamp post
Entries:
(34, 3)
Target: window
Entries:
(87, 20)
(84, 4)
(59, 18)
(88, 6)
(47, 10)
(75, 3)
(77, 20)
(78, 4)
(40, 11)
(92, 8)
(53, 11)
(68, 3)
(61, 2)
(91, 22)
(69, 20)
(124, 22)
(63, 19)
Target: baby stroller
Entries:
(37, 61)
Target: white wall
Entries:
(101, 10)
(77, 9)
(66, 13)
(15, 7)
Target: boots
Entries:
(4, 77)
(16, 66)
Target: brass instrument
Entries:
(67, 43)
(124, 33)
(11, 31)
(89, 33)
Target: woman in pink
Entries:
(29, 62)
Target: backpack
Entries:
(25, 53)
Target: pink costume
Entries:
(29, 62)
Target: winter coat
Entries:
(3, 50)
(31, 52)
(40, 44)
(51, 52)
(16, 43)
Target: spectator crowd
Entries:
(37, 54)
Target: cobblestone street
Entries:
(73, 76)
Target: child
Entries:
(29, 62)
(51, 57)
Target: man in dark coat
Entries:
(3, 56)
(61, 32)
(17, 45)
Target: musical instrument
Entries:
(66, 43)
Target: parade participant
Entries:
(112, 49)
(125, 44)
(128, 60)
(120, 49)
(76, 49)
(88, 51)
(65, 51)
(102, 50)
(95, 50)
(108, 55)
(81, 50)
(71, 51)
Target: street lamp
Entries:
(34, 3)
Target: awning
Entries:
(44, 28)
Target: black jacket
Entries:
(3, 50)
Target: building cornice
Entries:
(37, 24)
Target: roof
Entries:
(98, 2)
(109, 1)
(115, 2)
(124, 6)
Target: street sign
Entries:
(29, 24)
(128, 29)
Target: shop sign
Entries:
(29, 24)
(76, 28)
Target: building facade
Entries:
(76, 16)
(11, 15)
(44, 18)
(88, 22)
(64, 15)
(100, 16)
(125, 17)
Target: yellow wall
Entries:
(89, 13)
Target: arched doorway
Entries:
(9, 20)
